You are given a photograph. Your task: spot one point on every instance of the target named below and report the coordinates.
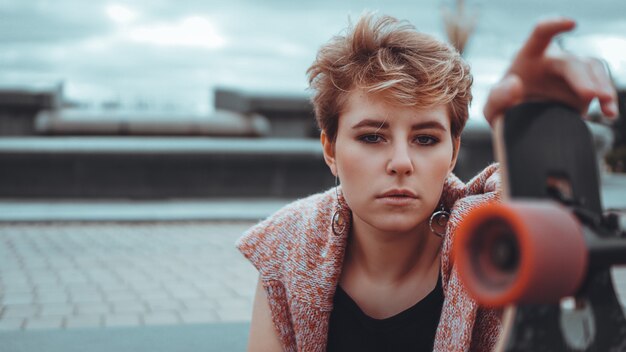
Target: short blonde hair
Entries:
(389, 58)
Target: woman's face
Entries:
(391, 161)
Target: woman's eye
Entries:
(426, 140)
(371, 138)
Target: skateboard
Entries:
(544, 253)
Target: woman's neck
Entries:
(392, 258)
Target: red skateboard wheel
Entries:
(520, 252)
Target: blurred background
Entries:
(139, 139)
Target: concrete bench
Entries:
(290, 114)
(81, 122)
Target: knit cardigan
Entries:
(299, 260)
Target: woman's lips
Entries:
(397, 197)
(399, 192)
(397, 200)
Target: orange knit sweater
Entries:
(299, 259)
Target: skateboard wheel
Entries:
(520, 252)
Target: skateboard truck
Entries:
(545, 253)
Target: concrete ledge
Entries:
(191, 338)
(38, 97)
(157, 168)
(159, 145)
(20, 104)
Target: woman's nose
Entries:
(400, 162)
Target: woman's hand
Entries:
(541, 72)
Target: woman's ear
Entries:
(328, 147)
(456, 144)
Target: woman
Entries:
(365, 265)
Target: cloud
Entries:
(121, 13)
(192, 31)
(47, 24)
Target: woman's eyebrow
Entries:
(428, 124)
(380, 124)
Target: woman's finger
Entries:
(544, 32)
(578, 75)
(505, 94)
(607, 95)
(588, 79)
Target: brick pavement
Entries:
(102, 275)
(80, 275)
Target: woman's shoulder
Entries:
(296, 226)
(485, 182)
(488, 180)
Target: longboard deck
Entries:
(546, 152)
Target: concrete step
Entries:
(157, 168)
(44, 210)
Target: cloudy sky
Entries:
(170, 54)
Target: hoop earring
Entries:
(440, 218)
(339, 224)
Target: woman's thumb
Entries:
(505, 94)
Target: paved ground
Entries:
(77, 275)
(103, 275)
(138, 210)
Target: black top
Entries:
(411, 330)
